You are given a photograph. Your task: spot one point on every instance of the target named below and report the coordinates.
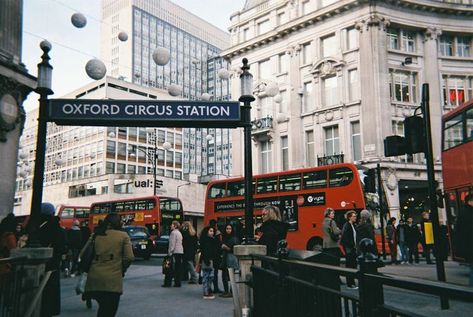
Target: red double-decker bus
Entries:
(67, 214)
(155, 212)
(457, 165)
(302, 195)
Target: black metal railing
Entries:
(11, 274)
(262, 123)
(295, 288)
(330, 159)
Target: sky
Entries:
(73, 47)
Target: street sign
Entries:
(148, 113)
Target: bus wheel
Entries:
(315, 244)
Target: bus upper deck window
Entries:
(236, 188)
(315, 179)
(289, 182)
(267, 185)
(217, 190)
(340, 176)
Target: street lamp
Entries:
(43, 89)
(246, 86)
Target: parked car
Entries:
(140, 239)
(162, 244)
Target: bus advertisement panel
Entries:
(155, 212)
(302, 196)
(457, 168)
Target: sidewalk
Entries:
(144, 296)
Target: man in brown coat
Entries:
(113, 255)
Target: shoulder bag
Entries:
(335, 237)
(87, 256)
(168, 265)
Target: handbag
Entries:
(80, 286)
(335, 237)
(87, 256)
(198, 265)
(168, 264)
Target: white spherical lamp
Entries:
(78, 20)
(95, 69)
(161, 56)
(277, 98)
(206, 96)
(174, 90)
(123, 36)
(222, 73)
(167, 145)
(59, 162)
(271, 89)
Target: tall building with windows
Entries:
(348, 74)
(194, 46)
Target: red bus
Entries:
(67, 214)
(155, 212)
(302, 196)
(457, 164)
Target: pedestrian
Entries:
(113, 256)
(365, 229)
(74, 242)
(229, 260)
(331, 237)
(392, 242)
(189, 243)
(401, 237)
(209, 251)
(464, 233)
(50, 235)
(176, 251)
(272, 230)
(218, 259)
(412, 239)
(426, 238)
(348, 242)
(8, 239)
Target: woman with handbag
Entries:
(113, 255)
(331, 237)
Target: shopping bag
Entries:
(168, 264)
(80, 286)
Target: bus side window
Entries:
(67, 213)
(469, 125)
(289, 182)
(217, 190)
(340, 176)
(236, 189)
(267, 185)
(315, 179)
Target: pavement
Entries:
(144, 296)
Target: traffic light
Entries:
(394, 145)
(370, 181)
(414, 134)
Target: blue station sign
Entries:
(149, 113)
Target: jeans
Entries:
(207, 279)
(188, 266)
(404, 252)
(413, 252)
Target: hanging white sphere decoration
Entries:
(174, 90)
(28, 183)
(137, 75)
(95, 69)
(78, 20)
(22, 173)
(223, 73)
(59, 162)
(281, 117)
(206, 96)
(209, 137)
(123, 36)
(271, 89)
(161, 56)
(277, 98)
(22, 155)
(195, 61)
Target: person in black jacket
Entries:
(218, 259)
(189, 243)
(348, 242)
(272, 230)
(74, 242)
(412, 240)
(229, 260)
(209, 252)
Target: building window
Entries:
(283, 66)
(455, 45)
(401, 40)
(332, 140)
(329, 46)
(454, 92)
(403, 86)
(284, 153)
(306, 7)
(282, 18)
(356, 140)
(330, 93)
(306, 55)
(264, 70)
(246, 32)
(353, 86)
(324, 3)
(266, 159)
(352, 38)
(310, 148)
(308, 103)
(263, 26)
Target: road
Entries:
(144, 296)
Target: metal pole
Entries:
(249, 235)
(155, 160)
(425, 106)
(381, 211)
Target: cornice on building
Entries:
(317, 16)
